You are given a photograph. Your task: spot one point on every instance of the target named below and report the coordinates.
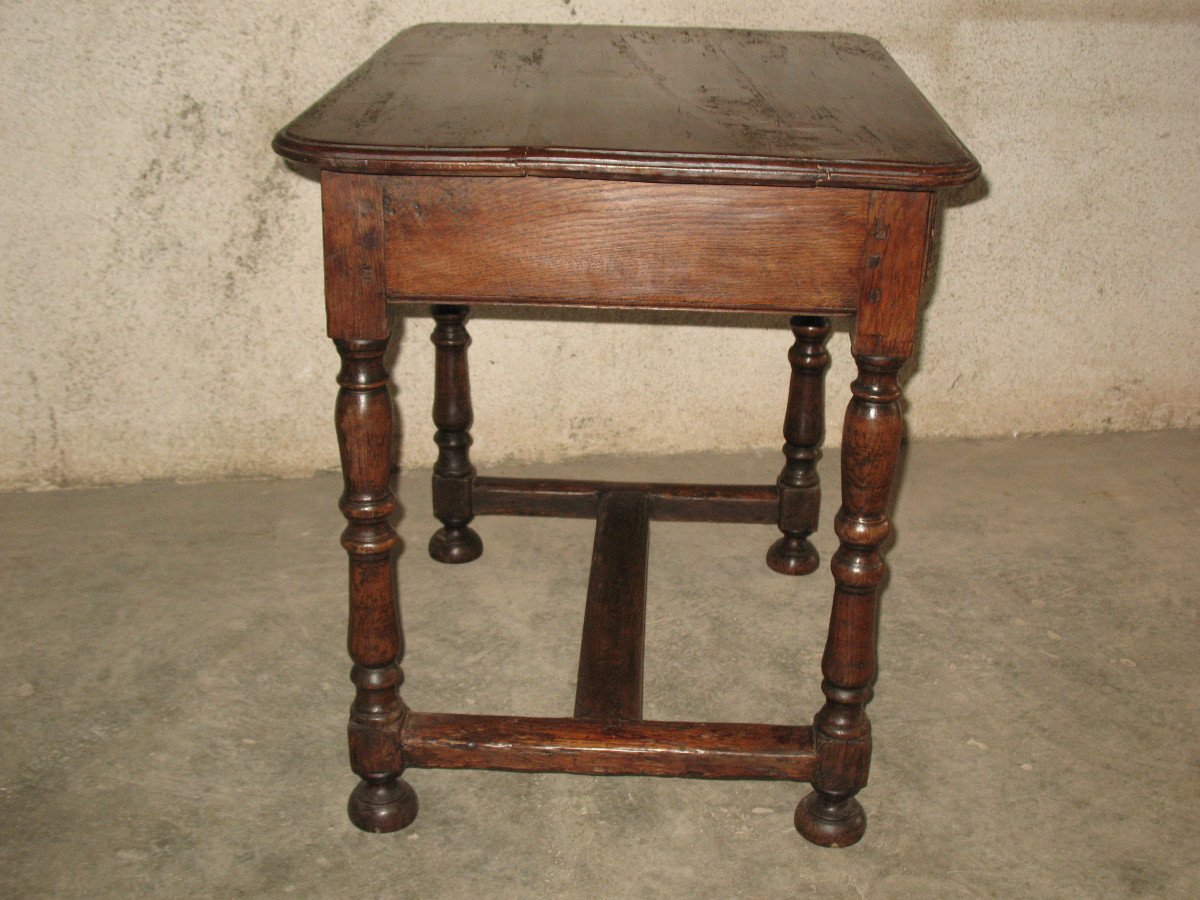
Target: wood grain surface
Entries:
(609, 684)
(576, 746)
(569, 242)
(682, 104)
(352, 215)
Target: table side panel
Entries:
(569, 242)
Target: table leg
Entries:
(453, 474)
(831, 815)
(382, 801)
(803, 431)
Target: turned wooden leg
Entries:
(382, 801)
(453, 474)
(803, 431)
(831, 815)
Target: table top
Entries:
(656, 104)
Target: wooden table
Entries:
(642, 168)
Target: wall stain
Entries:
(154, 273)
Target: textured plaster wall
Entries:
(162, 316)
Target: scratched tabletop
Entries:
(660, 104)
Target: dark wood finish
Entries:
(356, 315)
(352, 210)
(683, 104)
(382, 801)
(831, 815)
(571, 499)
(803, 431)
(580, 747)
(567, 242)
(453, 474)
(726, 170)
(609, 686)
(895, 254)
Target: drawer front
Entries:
(565, 241)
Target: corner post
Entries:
(894, 259)
(357, 322)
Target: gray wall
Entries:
(161, 269)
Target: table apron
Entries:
(569, 242)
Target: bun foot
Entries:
(379, 806)
(792, 555)
(455, 545)
(829, 822)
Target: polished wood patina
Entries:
(624, 167)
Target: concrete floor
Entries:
(174, 690)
